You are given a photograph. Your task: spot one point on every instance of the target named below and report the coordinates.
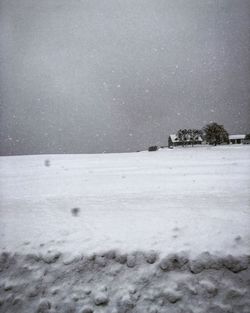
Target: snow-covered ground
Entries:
(141, 232)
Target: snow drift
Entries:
(166, 231)
(115, 282)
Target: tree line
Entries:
(213, 134)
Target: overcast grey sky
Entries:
(88, 76)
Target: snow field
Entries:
(194, 199)
(157, 232)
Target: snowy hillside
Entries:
(140, 232)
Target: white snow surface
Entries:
(194, 199)
(148, 232)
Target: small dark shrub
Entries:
(153, 148)
(75, 211)
(47, 162)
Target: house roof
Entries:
(237, 137)
(174, 138)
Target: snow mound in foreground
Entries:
(118, 283)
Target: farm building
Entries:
(173, 141)
(236, 139)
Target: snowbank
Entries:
(155, 232)
(115, 282)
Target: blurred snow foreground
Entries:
(167, 231)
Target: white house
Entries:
(173, 140)
(236, 139)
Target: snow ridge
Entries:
(118, 282)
